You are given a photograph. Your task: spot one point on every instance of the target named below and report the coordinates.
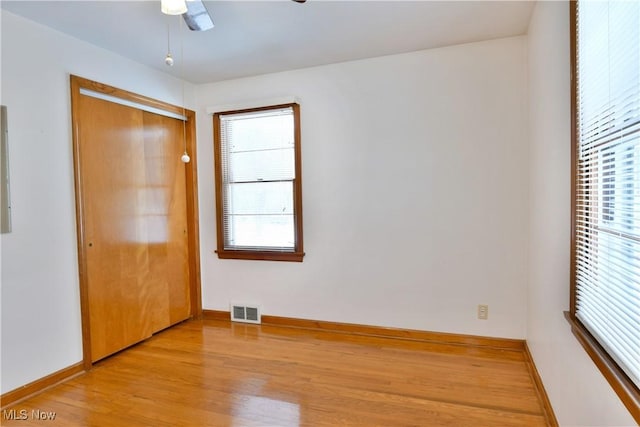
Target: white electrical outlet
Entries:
(483, 312)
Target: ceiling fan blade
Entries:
(197, 17)
(299, 1)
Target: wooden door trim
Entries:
(193, 217)
(126, 95)
(77, 83)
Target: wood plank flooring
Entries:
(215, 373)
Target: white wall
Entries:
(414, 192)
(40, 298)
(579, 393)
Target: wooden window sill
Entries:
(619, 381)
(261, 255)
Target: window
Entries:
(605, 277)
(258, 183)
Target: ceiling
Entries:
(258, 37)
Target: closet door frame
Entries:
(78, 84)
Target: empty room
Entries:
(320, 213)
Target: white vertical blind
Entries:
(258, 173)
(608, 178)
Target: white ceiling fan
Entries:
(194, 12)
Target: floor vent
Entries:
(245, 313)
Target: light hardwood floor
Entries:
(215, 373)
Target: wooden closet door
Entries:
(134, 211)
(167, 218)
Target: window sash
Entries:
(269, 226)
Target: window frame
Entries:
(297, 254)
(623, 386)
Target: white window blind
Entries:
(258, 173)
(607, 199)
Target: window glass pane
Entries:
(267, 165)
(255, 231)
(259, 130)
(273, 198)
(260, 215)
